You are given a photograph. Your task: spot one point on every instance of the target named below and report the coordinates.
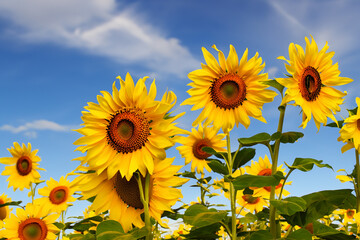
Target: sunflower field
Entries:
(134, 191)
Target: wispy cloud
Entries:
(29, 129)
(95, 26)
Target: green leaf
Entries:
(200, 216)
(246, 180)
(204, 233)
(260, 235)
(13, 203)
(333, 124)
(249, 218)
(209, 150)
(59, 225)
(218, 167)
(352, 111)
(89, 236)
(188, 174)
(275, 136)
(260, 138)
(76, 237)
(243, 157)
(109, 230)
(275, 84)
(290, 205)
(290, 137)
(326, 232)
(300, 234)
(306, 164)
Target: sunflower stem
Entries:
(282, 186)
(232, 190)
(275, 156)
(357, 180)
(144, 196)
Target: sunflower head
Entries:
(193, 144)
(229, 91)
(31, 223)
(311, 81)
(22, 166)
(4, 211)
(127, 129)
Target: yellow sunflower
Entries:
(192, 145)
(127, 129)
(348, 215)
(250, 202)
(350, 132)
(31, 224)
(23, 166)
(263, 168)
(57, 195)
(4, 211)
(313, 76)
(122, 197)
(229, 91)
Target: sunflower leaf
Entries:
(260, 235)
(300, 234)
(109, 230)
(260, 138)
(333, 124)
(243, 156)
(326, 232)
(14, 203)
(290, 137)
(218, 167)
(200, 216)
(289, 205)
(306, 164)
(275, 84)
(189, 175)
(247, 180)
(209, 150)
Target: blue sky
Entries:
(59, 55)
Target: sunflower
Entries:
(310, 85)
(4, 211)
(250, 202)
(229, 91)
(57, 195)
(125, 131)
(263, 168)
(192, 145)
(31, 224)
(23, 166)
(348, 215)
(350, 132)
(122, 197)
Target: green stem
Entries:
(357, 181)
(282, 186)
(232, 190)
(144, 196)
(273, 227)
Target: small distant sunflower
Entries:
(350, 132)
(125, 131)
(313, 76)
(30, 224)
(192, 145)
(348, 215)
(122, 197)
(229, 91)
(251, 202)
(23, 166)
(4, 211)
(263, 168)
(57, 195)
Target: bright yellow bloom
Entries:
(350, 132)
(263, 168)
(229, 91)
(57, 195)
(127, 129)
(176, 234)
(192, 145)
(122, 197)
(4, 211)
(250, 202)
(313, 76)
(31, 224)
(23, 166)
(348, 215)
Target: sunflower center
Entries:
(32, 229)
(250, 199)
(128, 191)
(197, 149)
(228, 92)
(24, 165)
(265, 172)
(310, 84)
(3, 211)
(58, 195)
(128, 130)
(350, 213)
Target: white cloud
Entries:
(95, 26)
(30, 128)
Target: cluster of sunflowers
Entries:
(132, 185)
